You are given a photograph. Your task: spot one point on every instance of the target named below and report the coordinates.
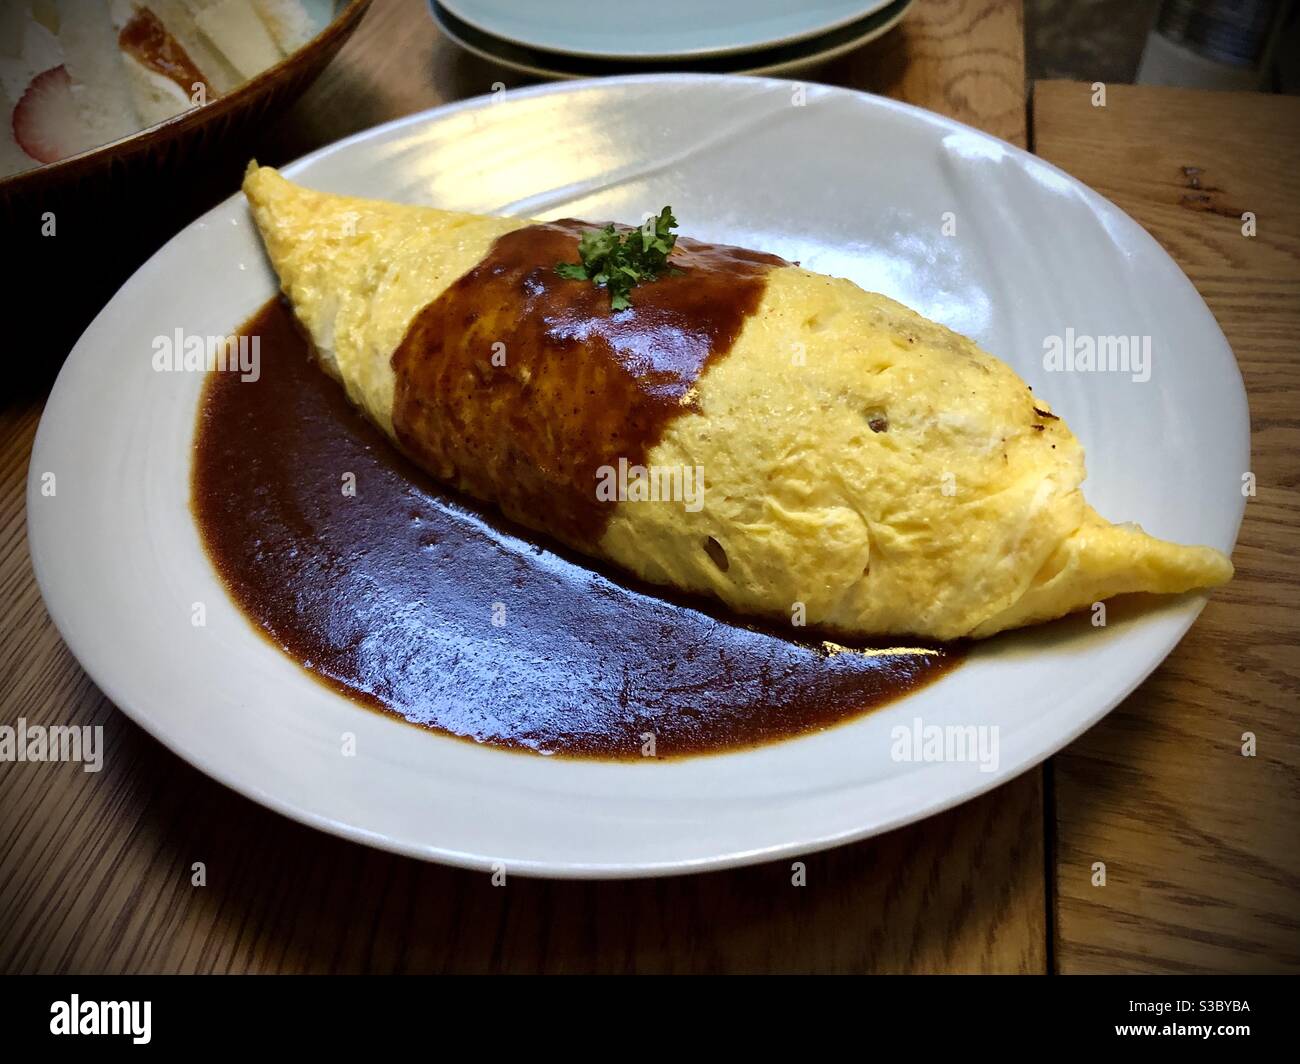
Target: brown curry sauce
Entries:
(581, 386)
(415, 600)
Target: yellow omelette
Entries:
(863, 468)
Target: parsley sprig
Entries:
(618, 262)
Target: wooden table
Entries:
(95, 869)
(1201, 844)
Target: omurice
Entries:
(710, 419)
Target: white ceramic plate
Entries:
(847, 184)
(782, 59)
(657, 29)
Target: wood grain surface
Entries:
(95, 870)
(1199, 841)
(962, 58)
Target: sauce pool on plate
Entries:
(411, 600)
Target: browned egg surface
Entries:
(412, 600)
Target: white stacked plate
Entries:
(574, 38)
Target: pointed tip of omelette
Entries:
(303, 230)
(1101, 560)
(357, 270)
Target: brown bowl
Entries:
(168, 145)
(75, 230)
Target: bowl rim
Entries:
(150, 137)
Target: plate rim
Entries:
(874, 26)
(571, 869)
(870, 8)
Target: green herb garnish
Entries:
(620, 261)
